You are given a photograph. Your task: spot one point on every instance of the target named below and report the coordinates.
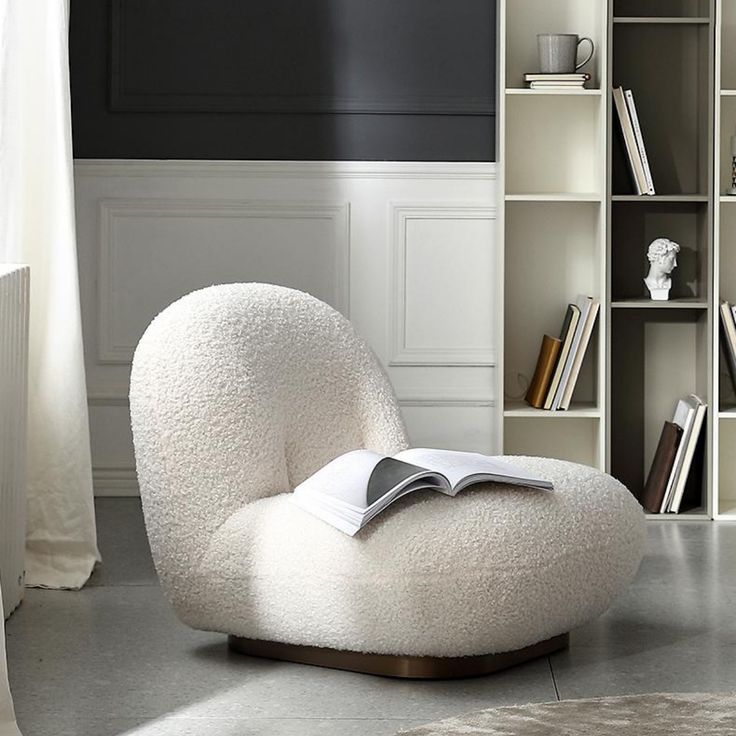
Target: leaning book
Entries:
(355, 487)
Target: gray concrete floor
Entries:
(112, 659)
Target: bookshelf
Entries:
(552, 173)
(572, 223)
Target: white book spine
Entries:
(639, 140)
(678, 490)
(585, 306)
(580, 355)
(684, 417)
(637, 170)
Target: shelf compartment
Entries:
(580, 441)
(685, 9)
(526, 18)
(726, 290)
(634, 226)
(554, 145)
(673, 109)
(728, 36)
(553, 253)
(657, 357)
(728, 129)
(726, 491)
(577, 410)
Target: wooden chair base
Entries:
(388, 665)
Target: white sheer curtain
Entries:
(37, 228)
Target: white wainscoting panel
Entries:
(406, 250)
(442, 307)
(152, 251)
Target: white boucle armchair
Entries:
(238, 393)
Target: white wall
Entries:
(407, 251)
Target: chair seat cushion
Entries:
(494, 569)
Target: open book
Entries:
(353, 488)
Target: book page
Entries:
(359, 479)
(464, 468)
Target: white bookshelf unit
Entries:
(552, 172)
(571, 223)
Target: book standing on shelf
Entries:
(548, 354)
(678, 460)
(631, 109)
(728, 330)
(567, 335)
(659, 474)
(588, 313)
(633, 140)
(560, 359)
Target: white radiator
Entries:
(13, 407)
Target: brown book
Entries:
(546, 362)
(659, 473)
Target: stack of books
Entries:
(728, 329)
(633, 140)
(556, 81)
(678, 458)
(558, 365)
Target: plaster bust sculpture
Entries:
(662, 255)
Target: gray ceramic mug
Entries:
(558, 52)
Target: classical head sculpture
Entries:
(662, 256)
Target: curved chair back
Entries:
(239, 392)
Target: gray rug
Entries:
(658, 714)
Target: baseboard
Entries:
(115, 482)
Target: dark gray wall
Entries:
(284, 79)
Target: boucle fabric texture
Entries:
(655, 714)
(239, 392)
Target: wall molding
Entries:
(443, 402)
(111, 211)
(132, 89)
(107, 396)
(443, 395)
(399, 353)
(164, 168)
(121, 481)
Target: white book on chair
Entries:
(358, 485)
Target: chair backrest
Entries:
(239, 392)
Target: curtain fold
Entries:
(37, 227)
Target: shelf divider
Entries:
(659, 198)
(644, 303)
(661, 20)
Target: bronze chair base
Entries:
(389, 665)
